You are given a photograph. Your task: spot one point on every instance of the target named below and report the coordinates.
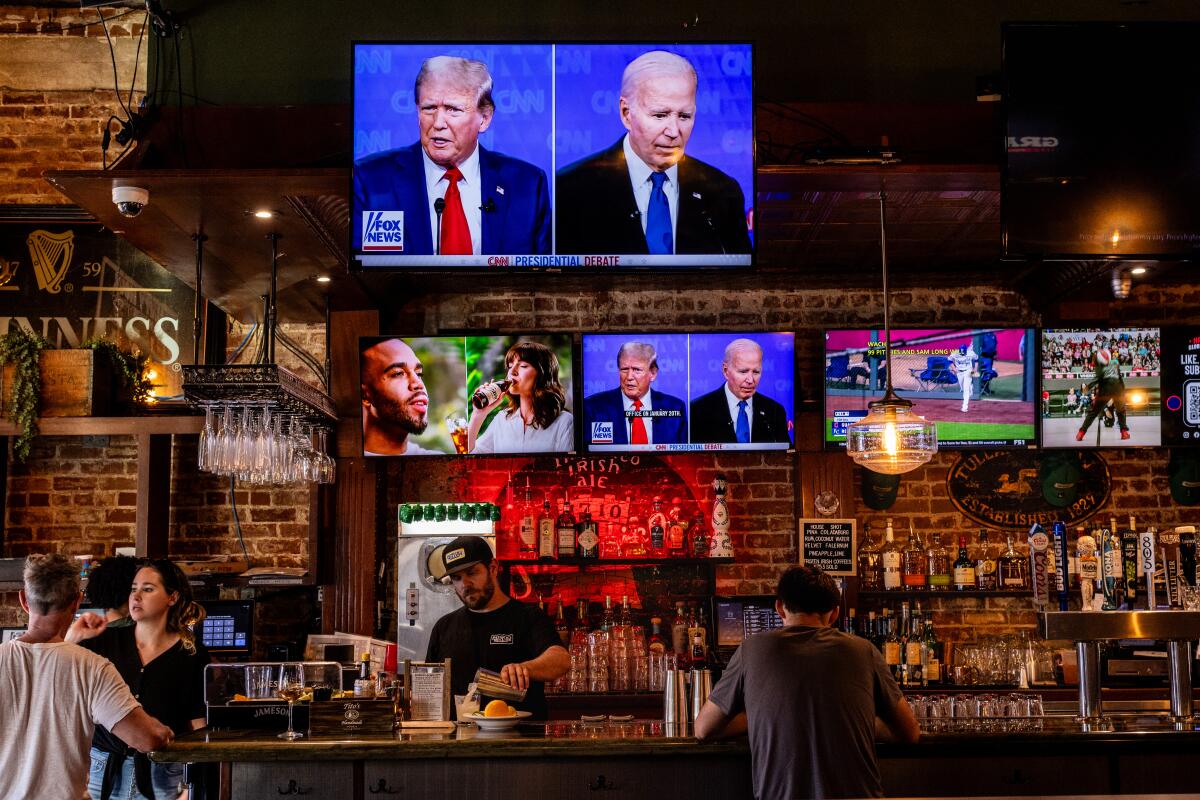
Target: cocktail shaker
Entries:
(701, 680)
(675, 698)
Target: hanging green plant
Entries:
(23, 349)
(130, 369)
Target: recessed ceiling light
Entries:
(1138, 271)
(264, 214)
(327, 279)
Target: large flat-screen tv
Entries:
(1102, 121)
(976, 384)
(1101, 387)
(675, 392)
(481, 395)
(1181, 386)
(564, 156)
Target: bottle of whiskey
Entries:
(985, 564)
(527, 533)
(587, 540)
(658, 530)
(679, 628)
(676, 539)
(890, 560)
(939, 565)
(964, 568)
(699, 533)
(657, 643)
(560, 626)
(609, 619)
(566, 531)
(932, 651)
(891, 650)
(914, 652)
(870, 570)
(916, 562)
(1012, 568)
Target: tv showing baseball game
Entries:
(480, 395)
(679, 392)
(552, 156)
(1101, 387)
(976, 384)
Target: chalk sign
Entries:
(829, 544)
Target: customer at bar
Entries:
(53, 694)
(163, 665)
(494, 631)
(108, 588)
(811, 698)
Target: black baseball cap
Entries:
(464, 552)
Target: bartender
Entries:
(494, 631)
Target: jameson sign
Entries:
(71, 283)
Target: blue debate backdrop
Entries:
(587, 111)
(600, 362)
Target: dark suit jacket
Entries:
(515, 191)
(711, 421)
(597, 213)
(608, 407)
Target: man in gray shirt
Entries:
(811, 697)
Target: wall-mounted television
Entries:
(976, 384)
(1101, 387)
(564, 156)
(676, 392)
(482, 395)
(1102, 121)
(1181, 386)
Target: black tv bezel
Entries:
(461, 334)
(1035, 441)
(791, 449)
(683, 269)
(1054, 255)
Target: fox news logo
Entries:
(602, 433)
(383, 231)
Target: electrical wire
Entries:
(137, 57)
(237, 523)
(245, 339)
(112, 54)
(77, 25)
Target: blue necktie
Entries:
(743, 424)
(659, 240)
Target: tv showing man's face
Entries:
(743, 371)
(636, 375)
(659, 118)
(450, 120)
(393, 386)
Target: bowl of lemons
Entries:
(497, 716)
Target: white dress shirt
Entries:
(639, 176)
(648, 421)
(733, 400)
(509, 434)
(469, 190)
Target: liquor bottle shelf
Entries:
(944, 593)
(623, 562)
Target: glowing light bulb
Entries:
(264, 214)
(151, 374)
(1138, 271)
(891, 441)
(1116, 238)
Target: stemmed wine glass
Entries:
(291, 686)
(207, 447)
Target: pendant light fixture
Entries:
(891, 439)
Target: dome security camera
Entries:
(130, 200)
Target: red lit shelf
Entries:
(622, 562)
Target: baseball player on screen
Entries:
(964, 362)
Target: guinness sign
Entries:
(1013, 489)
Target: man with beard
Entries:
(395, 402)
(494, 631)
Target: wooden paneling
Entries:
(818, 472)
(154, 494)
(350, 605)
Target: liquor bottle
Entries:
(932, 668)
(527, 533)
(902, 633)
(545, 524)
(1012, 568)
(890, 559)
(626, 618)
(560, 626)
(870, 570)
(914, 653)
(581, 615)
(719, 543)
(964, 568)
(698, 640)
(985, 564)
(587, 541)
(633, 538)
(658, 529)
(657, 643)
(609, 619)
(939, 565)
(873, 631)
(676, 543)
(566, 532)
(699, 533)
(490, 392)
(891, 651)
(915, 562)
(850, 624)
(679, 628)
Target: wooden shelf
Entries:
(623, 562)
(111, 426)
(905, 593)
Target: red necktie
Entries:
(456, 236)
(637, 428)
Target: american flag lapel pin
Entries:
(499, 190)
(697, 195)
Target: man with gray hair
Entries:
(632, 414)
(736, 412)
(644, 194)
(453, 196)
(56, 693)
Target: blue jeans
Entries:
(167, 779)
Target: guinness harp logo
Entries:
(51, 255)
(8, 271)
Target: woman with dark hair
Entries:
(108, 588)
(163, 665)
(536, 420)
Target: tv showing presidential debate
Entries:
(552, 156)
(480, 395)
(976, 384)
(678, 392)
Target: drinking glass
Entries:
(208, 439)
(457, 425)
(291, 686)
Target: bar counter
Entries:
(1055, 755)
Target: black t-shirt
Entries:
(513, 633)
(170, 688)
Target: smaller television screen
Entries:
(481, 395)
(1101, 387)
(976, 384)
(8, 634)
(228, 626)
(1181, 386)
(672, 392)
